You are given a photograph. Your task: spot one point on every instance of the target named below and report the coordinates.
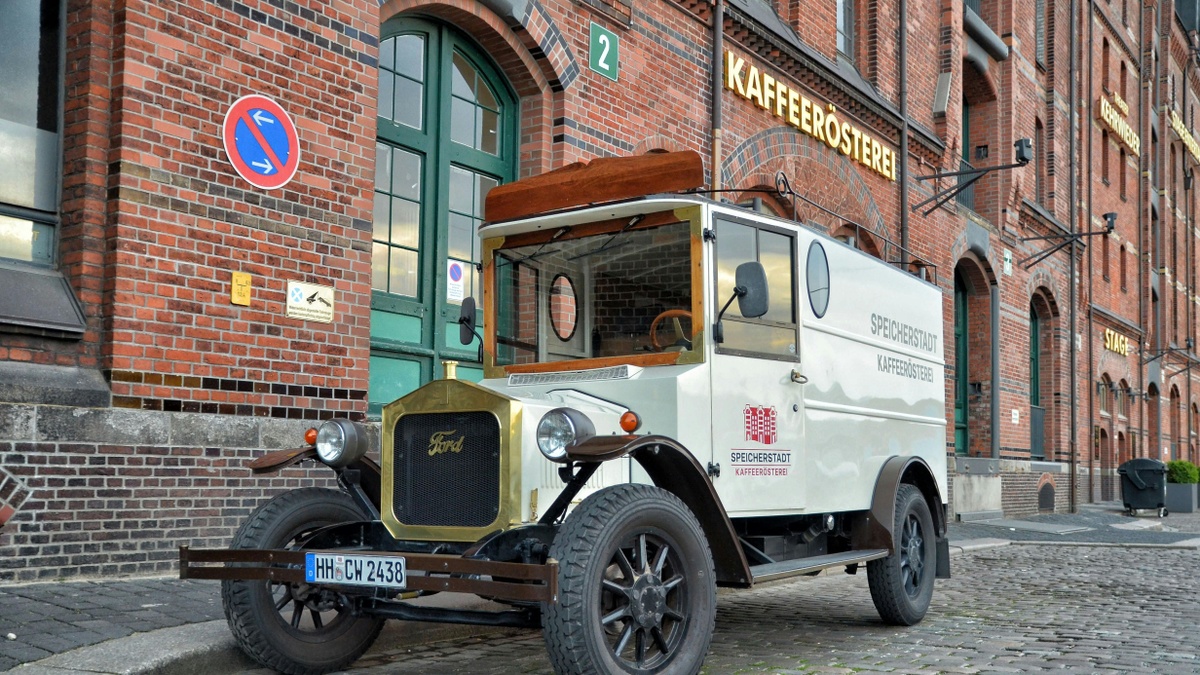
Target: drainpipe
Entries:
(1091, 326)
(1159, 159)
(904, 134)
(995, 321)
(1072, 214)
(1143, 243)
(718, 76)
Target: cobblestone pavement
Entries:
(1012, 609)
(51, 618)
(1062, 601)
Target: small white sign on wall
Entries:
(310, 302)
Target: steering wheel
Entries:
(675, 314)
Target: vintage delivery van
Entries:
(679, 394)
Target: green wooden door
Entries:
(961, 356)
(446, 135)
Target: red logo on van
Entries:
(760, 424)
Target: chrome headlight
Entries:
(560, 428)
(341, 442)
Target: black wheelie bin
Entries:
(1144, 485)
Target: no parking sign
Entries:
(261, 142)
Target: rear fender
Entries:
(873, 528)
(677, 471)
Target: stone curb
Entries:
(208, 648)
(1190, 544)
(192, 649)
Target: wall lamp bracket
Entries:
(1023, 155)
(1065, 240)
(1188, 344)
(1181, 370)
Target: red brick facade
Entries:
(155, 221)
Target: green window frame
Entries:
(446, 134)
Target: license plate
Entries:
(354, 570)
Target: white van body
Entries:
(801, 432)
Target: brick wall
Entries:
(181, 222)
(116, 492)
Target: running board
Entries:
(791, 568)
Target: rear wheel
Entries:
(637, 592)
(902, 583)
(295, 628)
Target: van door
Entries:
(757, 392)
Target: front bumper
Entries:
(502, 581)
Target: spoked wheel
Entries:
(295, 628)
(636, 587)
(902, 583)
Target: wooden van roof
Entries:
(602, 180)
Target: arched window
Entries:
(1104, 65)
(1040, 154)
(1104, 256)
(446, 134)
(1123, 264)
(1103, 391)
(1104, 156)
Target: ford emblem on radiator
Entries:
(441, 442)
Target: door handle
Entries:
(798, 378)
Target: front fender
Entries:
(677, 471)
(370, 477)
(281, 459)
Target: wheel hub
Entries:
(648, 601)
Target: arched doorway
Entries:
(1043, 321)
(1104, 458)
(446, 134)
(972, 360)
(1104, 453)
(1154, 446)
(1193, 421)
(1176, 428)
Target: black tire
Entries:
(902, 583)
(295, 628)
(636, 589)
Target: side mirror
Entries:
(750, 290)
(466, 321)
(754, 298)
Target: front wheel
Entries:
(637, 592)
(295, 628)
(902, 583)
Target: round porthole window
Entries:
(818, 279)
(563, 307)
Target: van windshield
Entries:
(593, 291)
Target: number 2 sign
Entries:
(604, 52)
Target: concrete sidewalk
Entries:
(175, 627)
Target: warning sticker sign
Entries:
(310, 302)
(455, 281)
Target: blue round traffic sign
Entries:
(456, 273)
(261, 142)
